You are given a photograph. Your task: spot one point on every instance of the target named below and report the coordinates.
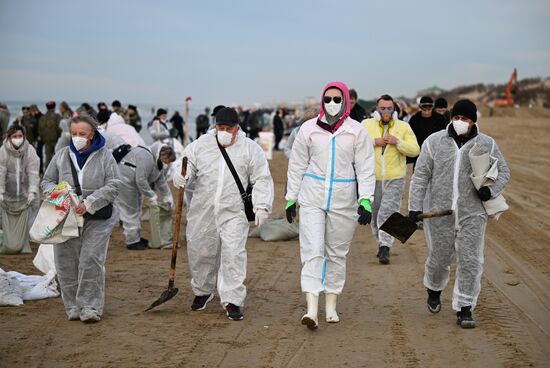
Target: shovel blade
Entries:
(164, 297)
(399, 226)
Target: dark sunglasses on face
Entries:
(426, 106)
(336, 99)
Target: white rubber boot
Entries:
(310, 318)
(330, 308)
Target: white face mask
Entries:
(17, 142)
(224, 138)
(332, 108)
(461, 127)
(79, 142)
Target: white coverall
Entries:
(441, 181)
(138, 172)
(217, 227)
(80, 262)
(18, 178)
(328, 174)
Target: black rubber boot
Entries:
(434, 301)
(464, 318)
(384, 255)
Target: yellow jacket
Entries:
(393, 163)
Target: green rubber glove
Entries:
(290, 210)
(289, 203)
(366, 204)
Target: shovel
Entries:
(172, 291)
(402, 228)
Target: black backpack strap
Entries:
(244, 195)
(77, 189)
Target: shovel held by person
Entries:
(171, 291)
(401, 227)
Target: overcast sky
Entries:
(263, 51)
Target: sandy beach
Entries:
(384, 319)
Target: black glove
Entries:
(413, 216)
(484, 193)
(291, 213)
(364, 216)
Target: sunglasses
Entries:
(336, 99)
(426, 106)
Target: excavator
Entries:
(508, 100)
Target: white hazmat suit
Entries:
(217, 227)
(139, 172)
(441, 181)
(80, 262)
(328, 174)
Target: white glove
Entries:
(153, 200)
(261, 216)
(31, 198)
(168, 200)
(179, 180)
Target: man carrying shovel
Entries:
(217, 226)
(442, 180)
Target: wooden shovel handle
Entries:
(435, 214)
(177, 225)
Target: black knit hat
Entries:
(227, 116)
(216, 109)
(465, 108)
(440, 103)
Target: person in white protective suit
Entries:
(19, 178)
(217, 226)
(331, 175)
(80, 262)
(160, 127)
(441, 181)
(393, 141)
(142, 172)
(113, 123)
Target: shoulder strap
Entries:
(233, 171)
(77, 189)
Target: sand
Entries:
(384, 319)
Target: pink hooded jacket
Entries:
(345, 92)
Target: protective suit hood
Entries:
(16, 152)
(115, 119)
(347, 108)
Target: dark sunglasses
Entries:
(426, 106)
(336, 99)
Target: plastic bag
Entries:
(15, 226)
(10, 291)
(161, 226)
(36, 287)
(44, 259)
(277, 229)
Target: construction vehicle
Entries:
(508, 100)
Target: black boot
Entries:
(384, 255)
(233, 312)
(464, 318)
(136, 246)
(434, 301)
(200, 302)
